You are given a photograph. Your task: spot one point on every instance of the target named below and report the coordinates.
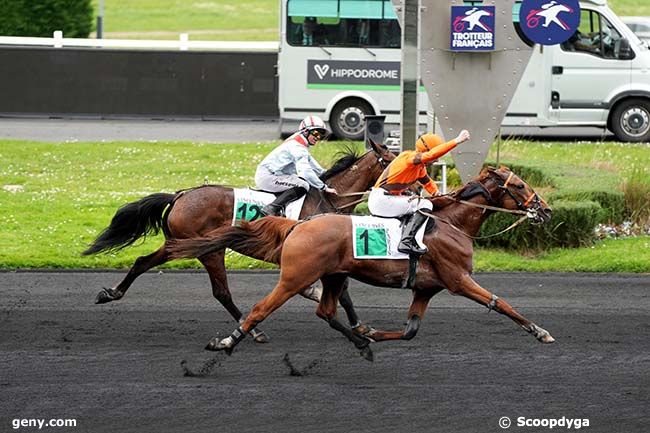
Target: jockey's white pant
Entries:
(277, 183)
(383, 204)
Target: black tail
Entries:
(261, 239)
(131, 222)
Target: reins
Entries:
(525, 214)
(353, 203)
(494, 208)
(510, 227)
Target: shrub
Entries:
(41, 18)
(572, 225)
(636, 193)
(611, 202)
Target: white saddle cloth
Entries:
(248, 205)
(378, 238)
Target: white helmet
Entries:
(311, 123)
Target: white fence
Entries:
(182, 44)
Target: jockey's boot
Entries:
(408, 244)
(276, 207)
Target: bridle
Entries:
(524, 208)
(533, 197)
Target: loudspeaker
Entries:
(374, 129)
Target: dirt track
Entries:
(117, 367)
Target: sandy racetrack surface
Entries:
(117, 367)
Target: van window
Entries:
(642, 28)
(342, 23)
(595, 36)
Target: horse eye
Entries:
(520, 186)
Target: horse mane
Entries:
(348, 156)
(471, 188)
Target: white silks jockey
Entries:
(290, 169)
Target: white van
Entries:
(599, 77)
(344, 64)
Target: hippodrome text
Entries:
(365, 73)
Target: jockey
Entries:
(290, 167)
(390, 198)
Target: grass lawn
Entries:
(241, 20)
(70, 191)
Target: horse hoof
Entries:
(215, 345)
(260, 337)
(103, 297)
(547, 339)
(366, 353)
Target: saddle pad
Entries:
(248, 205)
(377, 238)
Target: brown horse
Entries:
(197, 211)
(321, 248)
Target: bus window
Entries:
(342, 23)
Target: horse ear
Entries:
(377, 147)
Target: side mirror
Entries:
(625, 50)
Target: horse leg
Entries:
(346, 302)
(142, 264)
(472, 290)
(271, 302)
(314, 293)
(416, 312)
(214, 264)
(333, 286)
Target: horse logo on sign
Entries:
(472, 28)
(559, 20)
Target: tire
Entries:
(630, 120)
(348, 119)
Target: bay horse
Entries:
(322, 248)
(197, 211)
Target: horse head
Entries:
(382, 155)
(509, 191)
(363, 171)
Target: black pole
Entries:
(100, 27)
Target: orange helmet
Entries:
(427, 142)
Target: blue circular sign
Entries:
(549, 22)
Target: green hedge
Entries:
(572, 225)
(40, 18)
(612, 203)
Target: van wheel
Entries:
(348, 120)
(631, 120)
